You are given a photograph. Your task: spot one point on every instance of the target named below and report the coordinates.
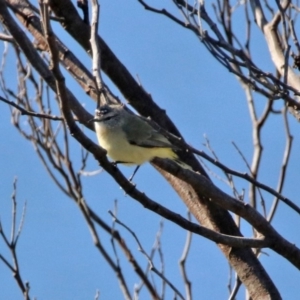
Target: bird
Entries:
(130, 139)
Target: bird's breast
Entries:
(115, 142)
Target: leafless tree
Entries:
(39, 75)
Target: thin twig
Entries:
(286, 157)
(182, 263)
(31, 113)
(141, 249)
(12, 245)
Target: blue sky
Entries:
(56, 252)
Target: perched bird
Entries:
(129, 139)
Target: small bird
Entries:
(130, 140)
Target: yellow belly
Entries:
(118, 149)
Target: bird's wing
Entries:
(143, 134)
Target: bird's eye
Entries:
(103, 111)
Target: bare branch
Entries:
(30, 113)
(12, 245)
(152, 267)
(6, 37)
(96, 54)
(286, 158)
(182, 261)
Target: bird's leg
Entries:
(115, 163)
(135, 170)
